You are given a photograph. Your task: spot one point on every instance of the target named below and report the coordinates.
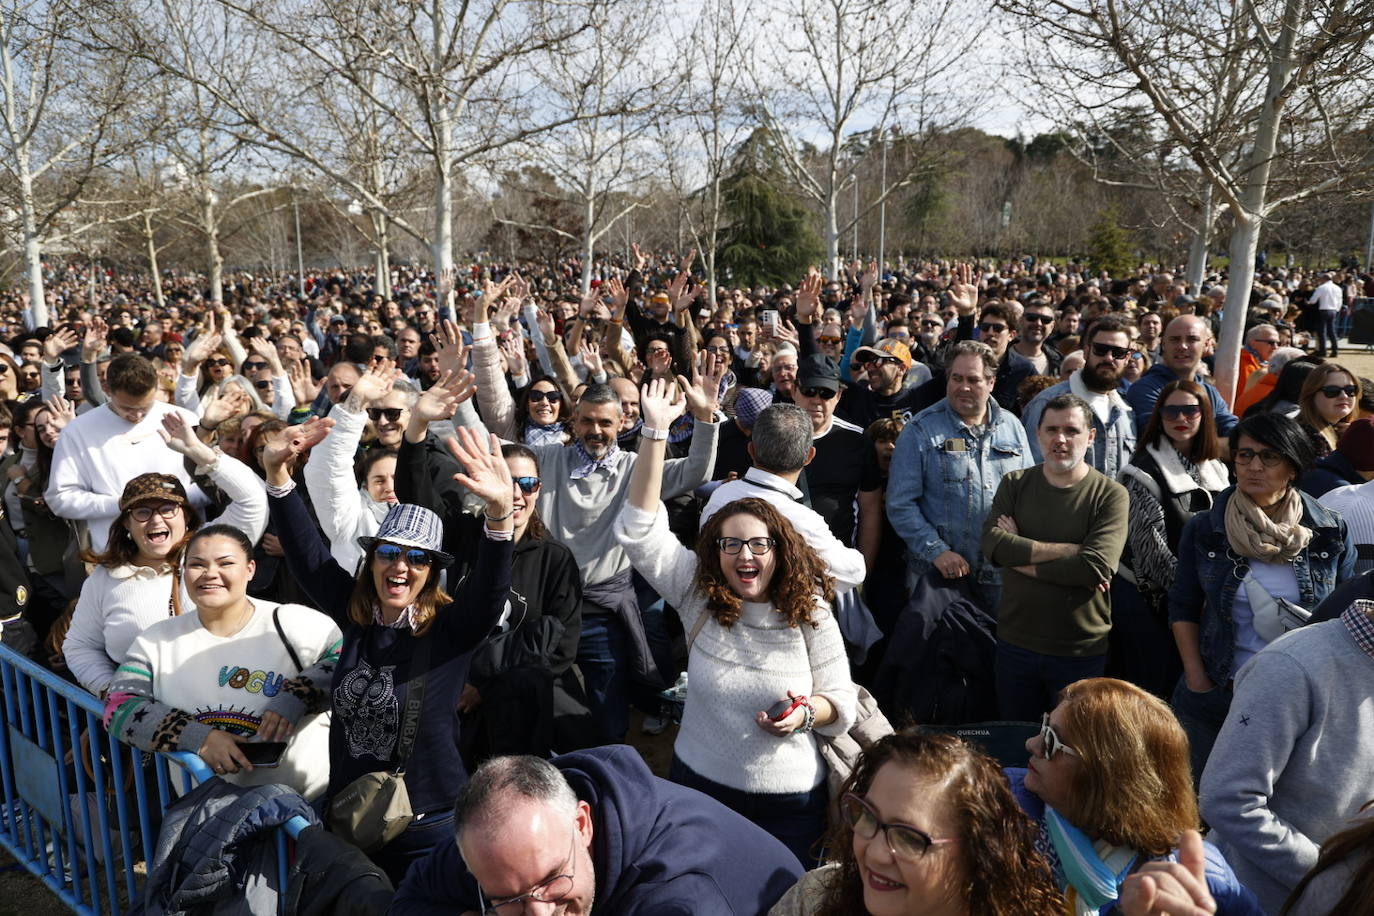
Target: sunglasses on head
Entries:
(823, 394)
(537, 396)
(1174, 411)
(390, 553)
(527, 485)
(1335, 391)
(392, 414)
(1116, 353)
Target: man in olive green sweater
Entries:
(1058, 529)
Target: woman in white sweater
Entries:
(766, 664)
(135, 582)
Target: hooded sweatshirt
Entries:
(659, 850)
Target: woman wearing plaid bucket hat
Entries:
(406, 642)
(137, 580)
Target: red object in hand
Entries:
(784, 708)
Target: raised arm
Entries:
(247, 510)
(682, 475)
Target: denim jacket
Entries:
(1209, 573)
(1112, 446)
(943, 479)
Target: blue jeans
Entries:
(603, 656)
(1201, 715)
(396, 857)
(796, 819)
(1028, 683)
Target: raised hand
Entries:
(230, 402)
(808, 296)
(282, 449)
(485, 472)
(685, 265)
(451, 352)
(703, 391)
(963, 289)
(786, 332)
(1163, 888)
(661, 403)
(546, 327)
(591, 357)
(869, 279)
(443, 287)
(620, 296)
(640, 258)
(59, 342)
(63, 411)
(200, 349)
(858, 310)
(303, 385)
(262, 347)
(442, 398)
(374, 384)
(514, 349)
(94, 341)
(183, 440)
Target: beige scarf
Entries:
(1254, 534)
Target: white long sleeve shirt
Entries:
(98, 453)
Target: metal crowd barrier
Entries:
(79, 809)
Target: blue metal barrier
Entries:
(79, 809)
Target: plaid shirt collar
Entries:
(406, 620)
(586, 464)
(1359, 620)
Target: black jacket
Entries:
(1335, 470)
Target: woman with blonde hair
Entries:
(1109, 785)
(1329, 400)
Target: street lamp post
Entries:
(300, 255)
(882, 207)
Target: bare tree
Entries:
(1291, 76)
(601, 84)
(60, 103)
(844, 66)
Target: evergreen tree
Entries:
(770, 239)
(1109, 245)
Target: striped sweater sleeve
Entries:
(134, 717)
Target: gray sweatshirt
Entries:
(1291, 766)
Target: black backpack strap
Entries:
(415, 698)
(295, 659)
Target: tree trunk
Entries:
(832, 234)
(33, 244)
(588, 243)
(209, 219)
(1197, 250)
(1248, 222)
(151, 242)
(381, 231)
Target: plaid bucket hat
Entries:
(411, 526)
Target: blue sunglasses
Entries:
(390, 553)
(527, 485)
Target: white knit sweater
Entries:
(116, 605)
(733, 673)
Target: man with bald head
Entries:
(594, 827)
(1186, 340)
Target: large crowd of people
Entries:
(442, 542)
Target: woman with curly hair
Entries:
(1110, 789)
(928, 825)
(765, 660)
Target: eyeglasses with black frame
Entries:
(757, 546)
(143, 513)
(1050, 743)
(906, 843)
(551, 891)
(390, 553)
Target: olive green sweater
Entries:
(1060, 610)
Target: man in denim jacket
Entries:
(945, 471)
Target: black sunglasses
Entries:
(1335, 391)
(823, 394)
(214, 363)
(1174, 411)
(1116, 353)
(991, 328)
(392, 414)
(551, 396)
(1037, 318)
(253, 367)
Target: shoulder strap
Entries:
(286, 643)
(415, 698)
(696, 627)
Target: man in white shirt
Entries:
(1328, 299)
(101, 451)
